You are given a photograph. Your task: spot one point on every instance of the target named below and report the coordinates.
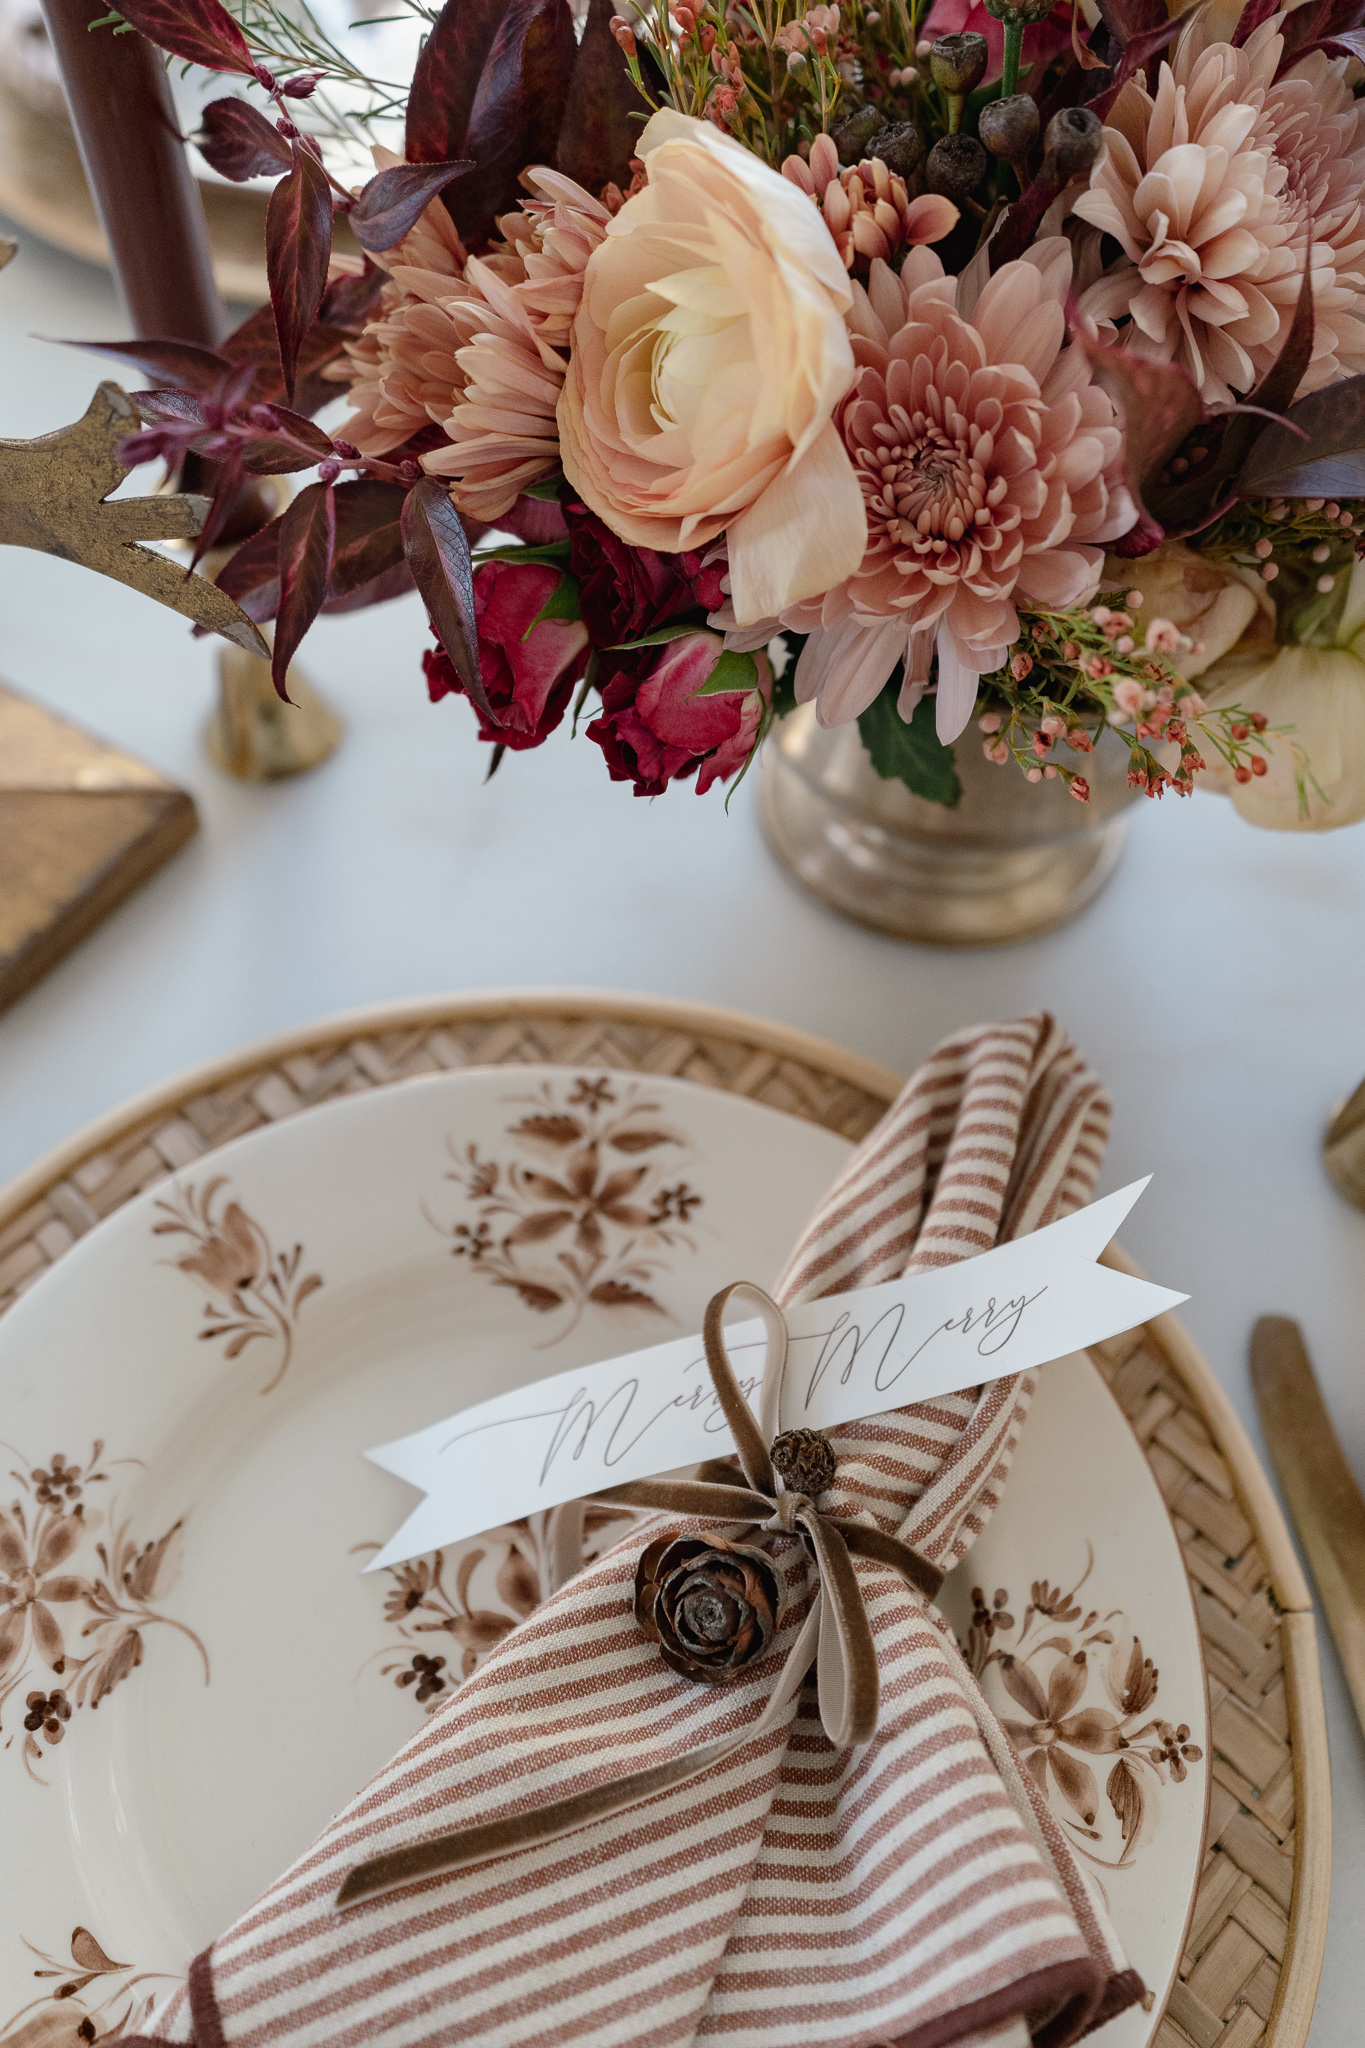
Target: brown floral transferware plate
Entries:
(194, 1674)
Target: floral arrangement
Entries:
(1005, 365)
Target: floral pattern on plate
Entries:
(474, 1597)
(72, 1604)
(96, 1999)
(580, 1215)
(255, 1292)
(1086, 1690)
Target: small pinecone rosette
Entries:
(805, 1461)
(712, 1606)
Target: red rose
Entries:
(654, 727)
(529, 671)
(626, 591)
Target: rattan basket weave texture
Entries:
(1254, 1948)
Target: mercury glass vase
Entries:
(1010, 860)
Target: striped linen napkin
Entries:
(911, 1892)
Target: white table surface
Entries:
(1218, 984)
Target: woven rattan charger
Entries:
(1255, 1943)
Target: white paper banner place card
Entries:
(1038, 1298)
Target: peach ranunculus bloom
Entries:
(708, 355)
(1316, 697)
(992, 470)
(1211, 604)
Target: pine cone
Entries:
(805, 1460)
(867, 207)
(711, 1606)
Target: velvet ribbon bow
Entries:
(835, 1636)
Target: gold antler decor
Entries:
(55, 496)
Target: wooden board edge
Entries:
(1254, 1489)
(422, 1013)
(175, 823)
(1296, 1993)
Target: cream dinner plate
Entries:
(194, 1671)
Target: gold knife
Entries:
(1319, 1486)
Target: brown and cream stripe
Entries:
(915, 1891)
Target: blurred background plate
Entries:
(42, 184)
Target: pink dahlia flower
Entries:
(512, 320)
(1221, 191)
(990, 468)
(478, 344)
(402, 369)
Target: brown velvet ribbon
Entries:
(836, 1635)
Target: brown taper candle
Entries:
(140, 179)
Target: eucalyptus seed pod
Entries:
(852, 135)
(1009, 128)
(957, 64)
(898, 147)
(1021, 13)
(956, 167)
(1072, 143)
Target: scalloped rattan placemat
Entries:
(1254, 1950)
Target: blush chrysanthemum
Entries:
(991, 470)
(512, 318)
(1221, 191)
(478, 344)
(402, 370)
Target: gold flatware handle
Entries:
(1319, 1486)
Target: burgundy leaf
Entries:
(393, 582)
(369, 536)
(394, 200)
(199, 30)
(252, 573)
(272, 454)
(349, 300)
(516, 113)
(1190, 502)
(307, 538)
(255, 342)
(1126, 19)
(1310, 27)
(446, 79)
(1331, 431)
(1159, 406)
(240, 143)
(438, 555)
(1329, 476)
(1277, 388)
(172, 404)
(1252, 15)
(265, 453)
(298, 242)
(368, 564)
(1138, 53)
(1019, 223)
(549, 59)
(1350, 43)
(227, 485)
(346, 304)
(198, 369)
(598, 137)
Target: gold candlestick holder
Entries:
(254, 735)
(1343, 1148)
